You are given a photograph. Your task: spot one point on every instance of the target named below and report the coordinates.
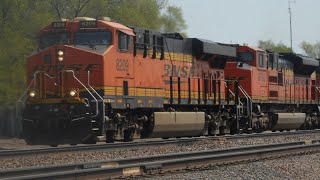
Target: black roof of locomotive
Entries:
(203, 46)
(303, 65)
(300, 59)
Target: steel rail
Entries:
(94, 147)
(271, 134)
(147, 143)
(158, 163)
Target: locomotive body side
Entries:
(94, 79)
(170, 78)
(276, 86)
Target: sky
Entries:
(248, 21)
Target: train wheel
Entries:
(211, 129)
(128, 135)
(233, 128)
(222, 130)
(110, 136)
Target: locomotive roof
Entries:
(298, 58)
(302, 64)
(210, 47)
(256, 48)
(120, 27)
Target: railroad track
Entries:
(145, 143)
(95, 147)
(158, 164)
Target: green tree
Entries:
(173, 21)
(270, 45)
(76, 8)
(18, 26)
(139, 13)
(312, 50)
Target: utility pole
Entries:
(290, 14)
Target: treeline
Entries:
(310, 49)
(20, 21)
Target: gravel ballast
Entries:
(291, 168)
(206, 144)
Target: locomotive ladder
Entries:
(248, 104)
(95, 125)
(240, 112)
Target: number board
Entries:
(59, 25)
(88, 24)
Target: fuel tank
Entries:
(177, 124)
(284, 121)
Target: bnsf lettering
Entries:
(190, 71)
(183, 71)
(122, 65)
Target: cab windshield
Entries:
(54, 38)
(245, 56)
(92, 38)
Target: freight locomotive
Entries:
(92, 80)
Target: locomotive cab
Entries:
(63, 100)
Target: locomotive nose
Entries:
(61, 58)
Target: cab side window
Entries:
(124, 41)
(275, 61)
(261, 60)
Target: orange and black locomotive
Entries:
(93, 80)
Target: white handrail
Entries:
(92, 87)
(248, 99)
(33, 81)
(97, 110)
(35, 75)
(233, 93)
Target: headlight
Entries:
(32, 94)
(60, 53)
(73, 93)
